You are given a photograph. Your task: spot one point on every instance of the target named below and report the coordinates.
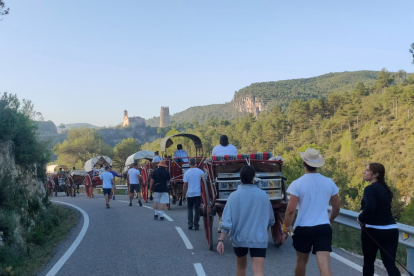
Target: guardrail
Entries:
(349, 218)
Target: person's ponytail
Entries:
(380, 170)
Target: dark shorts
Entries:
(107, 191)
(315, 238)
(254, 252)
(136, 187)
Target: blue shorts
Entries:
(107, 191)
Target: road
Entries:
(126, 240)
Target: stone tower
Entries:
(165, 116)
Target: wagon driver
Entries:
(224, 148)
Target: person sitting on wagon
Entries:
(101, 170)
(246, 217)
(180, 153)
(157, 158)
(61, 172)
(224, 148)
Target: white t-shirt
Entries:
(314, 191)
(133, 176)
(227, 150)
(101, 171)
(106, 180)
(181, 153)
(157, 159)
(193, 178)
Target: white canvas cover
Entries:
(78, 172)
(97, 160)
(143, 154)
(51, 168)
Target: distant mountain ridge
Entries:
(263, 96)
(78, 125)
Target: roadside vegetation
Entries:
(30, 227)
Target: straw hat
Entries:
(162, 164)
(312, 158)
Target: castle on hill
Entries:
(132, 121)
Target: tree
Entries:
(3, 10)
(123, 150)
(412, 51)
(62, 126)
(82, 144)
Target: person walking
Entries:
(192, 193)
(246, 217)
(159, 185)
(107, 181)
(133, 180)
(377, 222)
(115, 174)
(311, 194)
(157, 157)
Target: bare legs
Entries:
(257, 263)
(322, 257)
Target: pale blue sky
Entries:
(87, 61)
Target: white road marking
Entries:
(199, 269)
(147, 207)
(184, 237)
(75, 244)
(168, 217)
(123, 201)
(347, 262)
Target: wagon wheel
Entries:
(145, 184)
(276, 229)
(207, 214)
(87, 181)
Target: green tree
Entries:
(3, 10)
(61, 126)
(82, 144)
(123, 150)
(412, 51)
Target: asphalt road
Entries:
(126, 240)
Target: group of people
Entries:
(248, 213)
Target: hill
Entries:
(262, 96)
(78, 125)
(201, 114)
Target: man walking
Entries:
(192, 190)
(114, 173)
(159, 184)
(312, 193)
(107, 181)
(133, 183)
(157, 157)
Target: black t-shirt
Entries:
(161, 176)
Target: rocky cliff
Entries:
(248, 104)
(20, 186)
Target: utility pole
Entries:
(331, 134)
(396, 108)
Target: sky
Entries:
(88, 61)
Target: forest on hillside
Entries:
(351, 128)
(275, 93)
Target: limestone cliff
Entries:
(248, 104)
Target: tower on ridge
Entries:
(165, 116)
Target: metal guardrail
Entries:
(349, 218)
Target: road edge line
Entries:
(55, 269)
(347, 262)
(199, 269)
(184, 237)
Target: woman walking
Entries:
(377, 222)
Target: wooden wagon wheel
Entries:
(145, 184)
(276, 229)
(207, 213)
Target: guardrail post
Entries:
(410, 259)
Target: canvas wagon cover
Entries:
(143, 154)
(51, 168)
(166, 142)
(97, 160)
